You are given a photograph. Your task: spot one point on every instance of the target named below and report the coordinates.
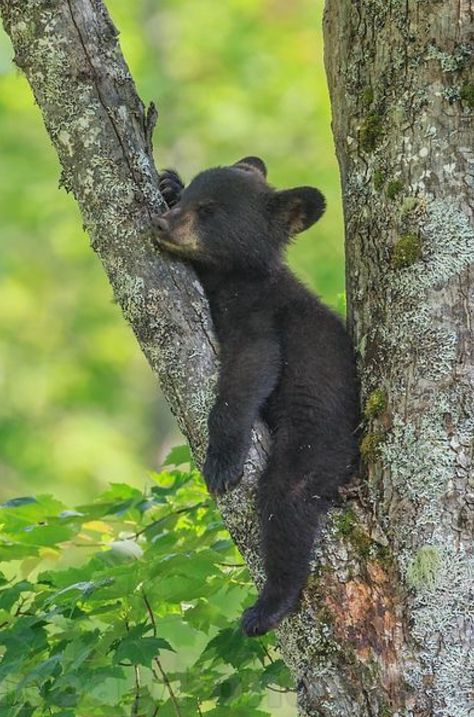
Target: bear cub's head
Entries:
(229, 218)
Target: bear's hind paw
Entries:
(267, 613)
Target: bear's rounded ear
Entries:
(253, 164)
(299, 208)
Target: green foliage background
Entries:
(79, 406)
(127, 607)
(80, 410)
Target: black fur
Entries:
(284, 355)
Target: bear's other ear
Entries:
(253, 164)
(299, 208)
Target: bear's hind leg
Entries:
(289, 510)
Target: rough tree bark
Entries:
(402, 89)
(364, 642)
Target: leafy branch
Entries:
(104, 620)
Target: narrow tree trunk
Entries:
(69, 51)
(348, 646)
(402, 89)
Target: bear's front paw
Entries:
(223, 470)
(170, 186)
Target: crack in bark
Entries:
(102, 101)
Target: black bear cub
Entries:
(284, 355)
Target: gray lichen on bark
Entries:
(398, 115)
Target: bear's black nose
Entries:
(161, 224)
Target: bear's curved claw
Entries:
(222, 474)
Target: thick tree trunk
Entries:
(350, 646)
(402, 89)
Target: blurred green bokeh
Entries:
(79, 405)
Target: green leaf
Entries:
(85, 588)
(223, 545)
(140, 651)
(187, 708)
(203, 615)
(232, 647)
(45, 535)
(26, 630)
(178, 456)
(9, 596)
(198, 565)
(39, 674)
(277, 673)
(77, 651)
(228, 689)
(23, 513)
(15, 551)
(110, 691)
(120, 492)
(63, 698)
(12, 707)
(178, 588)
